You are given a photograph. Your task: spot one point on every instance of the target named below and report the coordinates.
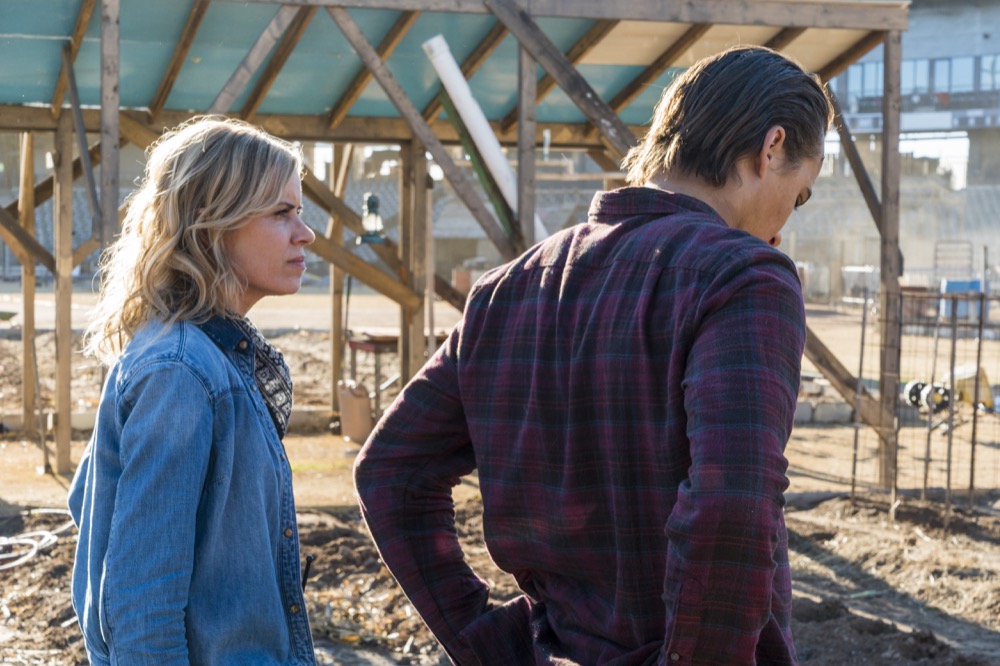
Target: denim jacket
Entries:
(188, 549)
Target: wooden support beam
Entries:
(891, 258)
(851, 55)
(639, 84)
(842, 380)
(254, 58)
(526, 146)
(422, 131)
(314, 188)
(581, 48)
(565, 136)
(377, 279)
(361, 80)
(63, 234)
(281, 54)
(337, 173)
(784, 37)
(81, 135)
(541, 48)
(413, 252)
(23, 244)
(857, 15)
(486, 46)
(857, 165)
(75, 41)
(184, 42)
(26, 216)
(110, 103)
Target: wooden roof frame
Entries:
(604, 135)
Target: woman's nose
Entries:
(304, 234)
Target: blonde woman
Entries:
(188, 548)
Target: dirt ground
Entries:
(868, 590)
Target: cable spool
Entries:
(912, 392)
(935, 398)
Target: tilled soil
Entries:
(868, 590)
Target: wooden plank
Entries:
(338, 171)
(81, 135)
(184, 42)
(253, 59)
(857, 165)
(378, 280)
(541, 48)
(667, 59)
(605, 161)
(63, 233)
(26, 218)
(850, 55)
(281, 54)
(470, 65)
(422, 131)
(891, 259)
(24, 245)
(526, 146)
(110, 103)
(314, 188)
(84, 250)
(884, 15)
(75, 41)
(361, 80)
(135, 131)
(841, 379)
(581, 48)
(569, 136)
(784, 37)
(421, 269)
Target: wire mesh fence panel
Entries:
(948, 426)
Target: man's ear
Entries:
(772, 146)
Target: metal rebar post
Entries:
(859, 389)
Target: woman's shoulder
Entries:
(182, 345)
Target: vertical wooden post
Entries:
(527, 81)
(891, 260)
(419, 270)
(110, 101)
(335, 230)
(63, 233)
(26, 215)
(405, 250)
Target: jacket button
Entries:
(674, 656)
(243, 345)
(294, 608)
(288, 532)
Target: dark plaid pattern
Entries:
(625, 390)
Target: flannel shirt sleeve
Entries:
(727, 538)
(404, 477)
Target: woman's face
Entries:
(268, 252)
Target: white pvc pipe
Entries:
(475, 121)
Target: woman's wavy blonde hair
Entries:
(204, 178)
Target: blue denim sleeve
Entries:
(165, 417)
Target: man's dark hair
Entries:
(720, 110)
